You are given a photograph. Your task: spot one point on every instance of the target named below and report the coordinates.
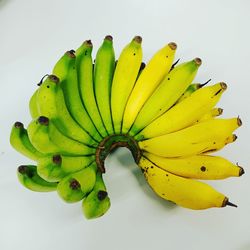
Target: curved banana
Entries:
(184, 113)
(103, 75)
(97, 202)
(51, 103)
(184, 192)
(84, 67)
(156, 69)
(199, 138)
(129, 64)
(38, 133)
(20, 142)
(211, 114)
(167, 93)
(65, 69)
(28, 177)
(55, 167)
(204, 167)
(76, 186)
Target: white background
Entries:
(34, 34)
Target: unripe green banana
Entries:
(28, 177)
(84, 66)
(55, 167)
(65, 69)
(38, 133)
(103, 75)
(97, 202)
(51, 103)
(33, 105)
(20, 142)
(76, 186)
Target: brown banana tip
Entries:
(57, 159)
(172, 45)
(143, 65)
(74, 184)
(138, 39)
(43, 120)
(241, 171)
(239, 121)
(54, 78)
(198, 61)
(223, 85)
(18, 125)
(226, 202)
(101, 195)
(88, 43)
(71, 53)
(235, 137)
(109, 38)
(220, 111)
(22, 169)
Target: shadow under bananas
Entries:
(126, 160)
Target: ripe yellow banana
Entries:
(167, 93)
(204, 167)
(156, 69)
(199, 138)
(128, 65)
(184, 192)
(211, 114)
(184, 113)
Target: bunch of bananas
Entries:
(85, 109)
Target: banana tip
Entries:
(223, 85)
(71, 53)
(101, 195)
(54, 78)
(241, 171)
(22, 169)
(74, 184)
(173, 45)
(88, 43)
(57, 159)
(43, 120)
(239, 121)
(18, 125)
(198, 61)
(109, 38)
(220, 111)
(138, 39)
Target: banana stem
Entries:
(112, 142)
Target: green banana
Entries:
(39, 136)
(103, 75)
(33, 105)
(76, 186)
(51, 103)
(28, 177)
(97, 202)
(20, 142)
(55, 167)
(84, 67)
(65, 69)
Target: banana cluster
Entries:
(86, 108)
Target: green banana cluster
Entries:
(86, 108)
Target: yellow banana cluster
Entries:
(86, 108)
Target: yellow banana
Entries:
(199, 138)
(204, 167)
(184, 192)
(211, 114)
(167, 93)
(184, 113)
(156, 69)
(129, 64)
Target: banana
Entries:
(39, 136)
(33, 105)
(84, 67)
(51, 103)
(204, 167)
(65, 69)
(184, 192)
(55, 167)
(20, 142)
(211, 114)
(168, 92)
(129, 64)
(76, 186)
(103, 75)
(97, 202)
(185, 113)
(196, 139)
(156, 69)
(66, 145)
(28, 177)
